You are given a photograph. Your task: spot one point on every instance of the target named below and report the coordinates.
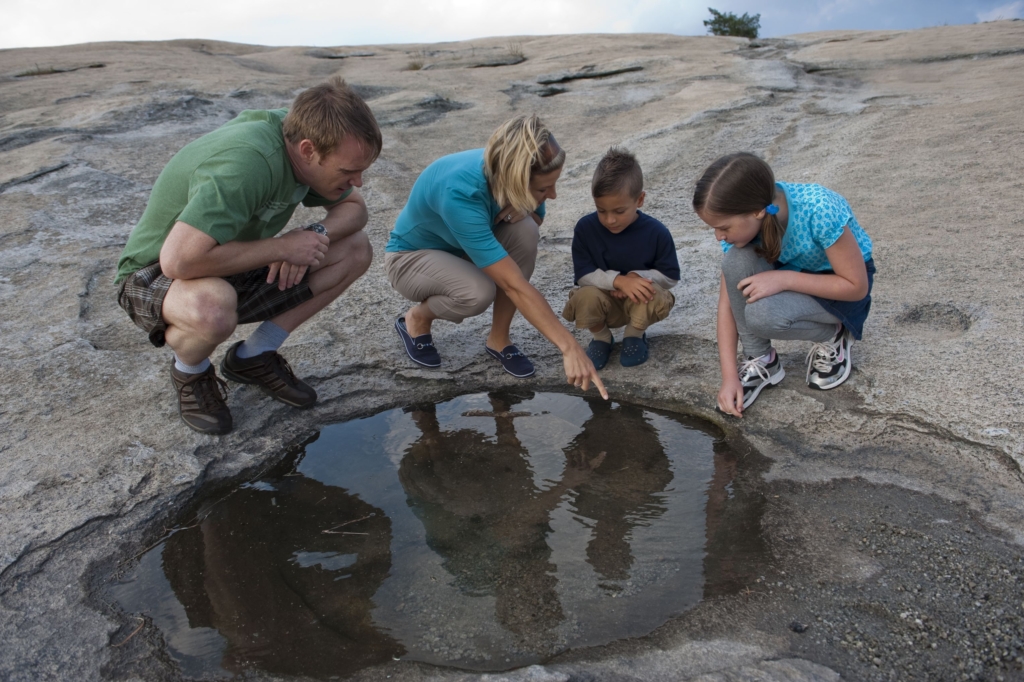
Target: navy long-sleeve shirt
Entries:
(645, 245)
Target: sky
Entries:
(36, 23)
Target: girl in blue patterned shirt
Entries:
(796, 266)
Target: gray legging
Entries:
(786, 315)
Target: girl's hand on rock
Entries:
(730, 398)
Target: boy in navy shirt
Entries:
(624, 264)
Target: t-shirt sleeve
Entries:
(582, 262)
(831, 214)
(225, 192)
(666, 262)
(313, 199)
(469, 221)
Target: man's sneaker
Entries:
(271, 373)
(756, 374)
(829, 363)
(202, 401)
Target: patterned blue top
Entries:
(817, 216)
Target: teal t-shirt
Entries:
(817, 216)
(451, 209)
(235, 184)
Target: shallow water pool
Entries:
(486, 532)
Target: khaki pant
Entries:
(452, 287)
(590, 307)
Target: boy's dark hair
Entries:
(326, 113)
(741, 184)
(616, 172)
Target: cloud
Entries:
(1011, 10)
(29, 23)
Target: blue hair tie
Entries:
(772, 209)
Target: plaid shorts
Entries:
(142, 294)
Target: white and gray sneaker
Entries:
(756, 374)
(829, 363)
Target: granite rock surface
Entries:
(920, 130)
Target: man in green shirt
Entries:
(204, 257)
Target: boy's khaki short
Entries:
(590, 306)
(142, 294)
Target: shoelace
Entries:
(208, 390)
(823, 356)
(753, 366)
(277, 361)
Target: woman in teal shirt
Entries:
(467, 238)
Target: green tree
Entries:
(728, 24)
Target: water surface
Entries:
(486, 532)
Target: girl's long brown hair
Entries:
(741, 184)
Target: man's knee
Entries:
(209, 309)
(355, 251)
(362, 252)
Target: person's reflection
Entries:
(283, 593)
(484, 516)
(624, 491)
(735, 550)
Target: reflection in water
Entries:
(286, 596)
(485, 532)
(483, 515)
(633, 467)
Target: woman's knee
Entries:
(521, 240)
(473, 297)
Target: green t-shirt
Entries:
(235, 184)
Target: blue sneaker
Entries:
(634, 351)
(421, 348)
(513, 361)
(598, 352)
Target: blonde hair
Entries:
(325, 114)
(519, 149)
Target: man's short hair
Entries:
(325, 114)
(618, 171)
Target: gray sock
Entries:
(268, 336)
(191, 369)
(604, 335)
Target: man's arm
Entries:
(189, 253)
(343, 219)
(346, 217)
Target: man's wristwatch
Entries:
(318, 228)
